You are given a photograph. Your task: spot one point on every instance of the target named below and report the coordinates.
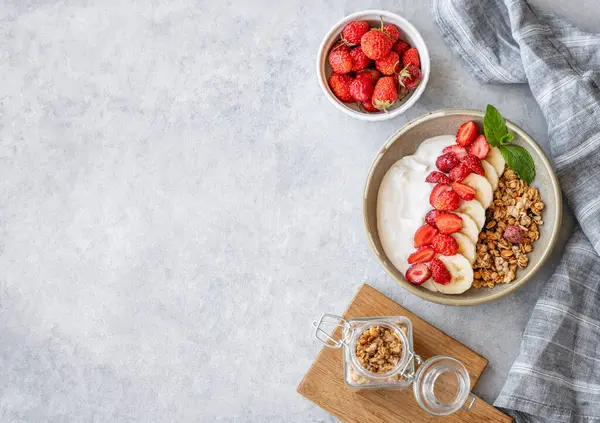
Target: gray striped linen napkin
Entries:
(556, 376)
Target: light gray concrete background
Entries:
(179, 201)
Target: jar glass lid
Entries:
(442, 386)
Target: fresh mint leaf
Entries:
(519, 160)
(494, 126)
(507, 138)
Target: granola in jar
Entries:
(379, 349)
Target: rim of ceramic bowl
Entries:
(455, 300)
(375, 117)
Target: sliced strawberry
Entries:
(418, 273)
(458, 151)
(447, 162)
(447, 201)
(465, 192)
(439, 273)
(430, 217)
(448, 223)
(473, 163)
(424, 235)
(436, 177)
(422, 255)
(444, 244)
(480, 147)
(466, 134)
(459, 173)
(437, 190)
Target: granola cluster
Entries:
(379, 349)
(515, 204)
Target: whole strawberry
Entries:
(400, 47)
(376, 44)
(392, 31)
(389, 64)
(353, 32)
(410, 77)
(411, 57)
(361, 89)
(340, 59)
(368, 106)
(359, 58)
(385, 93)
(340, 85)
(372, 75)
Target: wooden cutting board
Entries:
(324, 384)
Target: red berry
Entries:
(359, 59)
(368, 106)
(372, 75)
(465, 192)
(422, 255)
(447, 201)
(448, 223)
(400, 47)
(480, 147)
(439, 273)
(473, 163)
(514, 234)
(458, 151)
(385, 93)
(436, 191)
(459, 173)
(361, 89)
(340, 59)
(389, 64)
(446, 162)
(424, 235)
(436, 177)
(410, 77)
(340, 85)
(392, 31)
(354, 31)
(466, 133)
(430, 217)
(418, 273)
(376, 44)
(444, 244)
(411, 57)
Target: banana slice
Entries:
(484, 192)
(490, 174)
(469, 229)
(495, 158)
(429, 284)
(462, 274)
(475, 210)
(466, 246)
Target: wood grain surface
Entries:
(324, 383)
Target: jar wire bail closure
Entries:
(331, 321)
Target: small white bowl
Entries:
(408, 33)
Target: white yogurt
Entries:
(403, 200)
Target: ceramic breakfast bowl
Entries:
(409, 34)
(405, 142)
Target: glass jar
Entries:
(441, 384)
